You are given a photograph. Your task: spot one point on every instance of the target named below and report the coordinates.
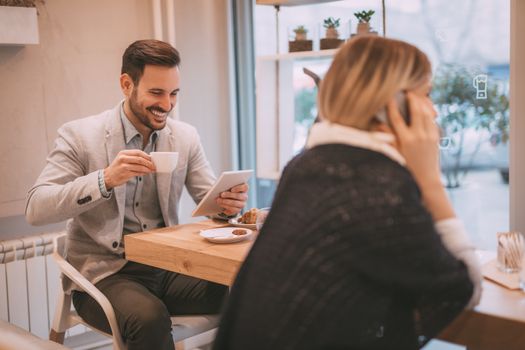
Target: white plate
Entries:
(225, 235)
(235, 222)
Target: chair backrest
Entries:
(183, 326)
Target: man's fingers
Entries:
(240, 188)
(134, 152)
(230, 212)
(138, 160)
(234, 200)
(230, 203)
(137, 169)
(242, 196)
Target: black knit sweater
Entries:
(348, 259)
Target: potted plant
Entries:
(300, 42)
(364, 17)
(300, 33)
(331, 24)
(331, 39)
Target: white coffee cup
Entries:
(165, 162)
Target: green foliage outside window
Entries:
(459, 111)
(305, 106)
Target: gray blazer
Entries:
(68, 188)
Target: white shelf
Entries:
(303, 55)
(18, 25)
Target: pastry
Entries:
(250, 217)
(239, 232)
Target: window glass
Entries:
(303, 90)
(468, 44)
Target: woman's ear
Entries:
(126, 84)
(384, 128)
(381, 127)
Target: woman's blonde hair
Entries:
(365, 74)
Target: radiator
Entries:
(29, 282)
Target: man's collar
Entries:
(129, 129)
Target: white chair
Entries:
(16, 338)
(183, 326)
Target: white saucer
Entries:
(225, 235)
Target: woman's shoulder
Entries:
(338, 160)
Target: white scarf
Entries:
(327, 133)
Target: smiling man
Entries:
(101, 178)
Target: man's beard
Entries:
(137, 111)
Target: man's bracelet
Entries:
(102, 185)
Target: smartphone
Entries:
(402, 104)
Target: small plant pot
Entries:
(300, 45)
(363, 28)
(327, 43)
(300, 36)
(332, 33)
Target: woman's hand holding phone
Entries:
(419, 145)
(417, 142)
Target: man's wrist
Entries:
(102, 185)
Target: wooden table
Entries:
(498, 322)
(181, 249)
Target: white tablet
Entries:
(227, 180)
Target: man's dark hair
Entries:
(143, 52)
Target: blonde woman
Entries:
(362, 249)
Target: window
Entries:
(286, 105)
(469, 46)
(468, 43)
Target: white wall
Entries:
(74, 72)
(202, 37)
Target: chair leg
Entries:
(57, 337)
